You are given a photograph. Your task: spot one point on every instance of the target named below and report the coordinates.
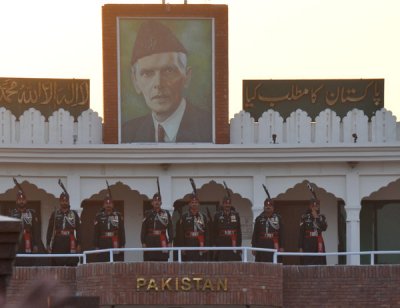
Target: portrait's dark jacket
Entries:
(196, 126)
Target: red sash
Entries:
(234, 239)
(275, 239)
(27, 241)
(115, 241)
(163, 239)
(200, 238)
(72, 243)
(320, 243)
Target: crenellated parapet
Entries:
(328, 128)
(60, 129)
(32, 128)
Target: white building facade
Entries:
(353, 162)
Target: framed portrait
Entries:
(165, 73)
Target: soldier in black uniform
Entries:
(312, 224)
(30, 240)
(63, 233)
(109, 231)
(194, 230)
(227, 232)
(268, 232)
(157, 231)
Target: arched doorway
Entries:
(379, 223)
(294, 202)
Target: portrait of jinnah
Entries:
(166, 80)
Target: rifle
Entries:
(18, 186)
(227, 190)
(50, 248)
(109, 190)
(158, 188)
(193, 186)
(314, 195)
(312, 190)
(63, 187)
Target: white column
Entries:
(258, 195)
(166, 192)
(353, 208)
(73, 187)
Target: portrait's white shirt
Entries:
(171, 125)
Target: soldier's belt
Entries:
(192, 234)
(267, 235)
(108, 234)
(227, 232)
(64, 232)
(312, 233)
(155, 232)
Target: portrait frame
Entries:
(212, 62)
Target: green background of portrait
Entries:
(196, 35)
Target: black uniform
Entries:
(310, 237)
(194, 232)
(64, 235)
(109, 232)
(227, 233)
(268, 233)
(157, 231)
(30, 235)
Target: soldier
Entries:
(157, 230)
(268, 231)
(63, 232)
(194, 230)
(312, 224)
(109, 231)
(30, 241)
(227, 230)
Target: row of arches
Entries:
(378, 216)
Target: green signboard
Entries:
(45, 95)
(313, 96)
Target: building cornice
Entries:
(198, 154)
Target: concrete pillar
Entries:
(166, 192)
(73, 187)
(353, 208)
(258, 194)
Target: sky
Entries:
(268, 39)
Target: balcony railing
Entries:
(244, 250)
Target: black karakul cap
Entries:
(108, 199)
(20, 194)
(157, 196)
(227, 199)
(314, 200)
(269, 201)
(194, 196)
(64, 195)
(154, 37)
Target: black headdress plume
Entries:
(266, 191)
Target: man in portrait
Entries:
(161, 74)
